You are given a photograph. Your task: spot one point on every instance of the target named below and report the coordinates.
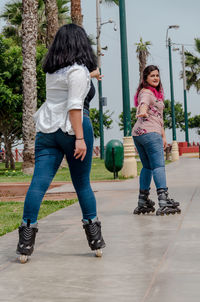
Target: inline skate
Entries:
(145, 204)
(92, 229)
(27, 234)
(166, 205)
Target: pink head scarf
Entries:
(158, 94)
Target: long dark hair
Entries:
(70, 45)
(145, 84)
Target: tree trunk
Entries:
(10, 156)
(51, 12)
(76, 14)
(29, 39)
(142, 64)
(6, 150)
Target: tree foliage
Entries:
(107, 120)
(11, 92)
(13, 16)
(133, 119)
(10, 96)
(111, 1)
(192, 63)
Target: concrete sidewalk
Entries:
(147, 258)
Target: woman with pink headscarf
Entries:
(150, 141)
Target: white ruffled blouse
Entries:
(66, 89)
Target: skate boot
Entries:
(166, 205)
(93, 233)
(145, 205)
(26, 243)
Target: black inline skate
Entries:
(93, 233)
(166, 205)
(25, 247)
(145, 204)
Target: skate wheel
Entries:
(23, 258)
(98, 253)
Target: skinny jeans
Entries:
(151, 152)
(50, 149)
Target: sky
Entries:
(149, 20)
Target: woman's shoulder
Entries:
(146, 91)
(72, 68)
(76, 66)
(78, 70)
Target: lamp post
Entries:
(175, 152)
(130, 164)
(99, 82)
(99, 54)
(124, 66)
(185, 96)
(172, 91)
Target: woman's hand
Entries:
(164, 142)
(140, 114)
(80, 149)
(96, 74)
(142, 111)
(164, 139)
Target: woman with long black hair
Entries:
(150, 141)
(64, 129)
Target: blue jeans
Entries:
(50, 149)
(151, 152)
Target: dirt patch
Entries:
(17, 192)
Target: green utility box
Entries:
(114, 156)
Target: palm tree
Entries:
(29, 40)
(111, 1)
(13, 17)
(192, 63)
(142, 55)
(76, 12)
(51, 12)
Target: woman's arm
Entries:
(80, 146)
(144, 103)
(77, 85)
(164, 139)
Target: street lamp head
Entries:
(173, 26)
(175, 49)
(170, 27)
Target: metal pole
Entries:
(98, 16)
(185, 96)
(124, 66)
(172, 92)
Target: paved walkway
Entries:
(147, 258)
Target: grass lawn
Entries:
(11, 212)
(98, 172)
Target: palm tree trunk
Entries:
(142, 64)
(51, 12)
(29, 39)
(76, 13)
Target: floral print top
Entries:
(154, 121)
